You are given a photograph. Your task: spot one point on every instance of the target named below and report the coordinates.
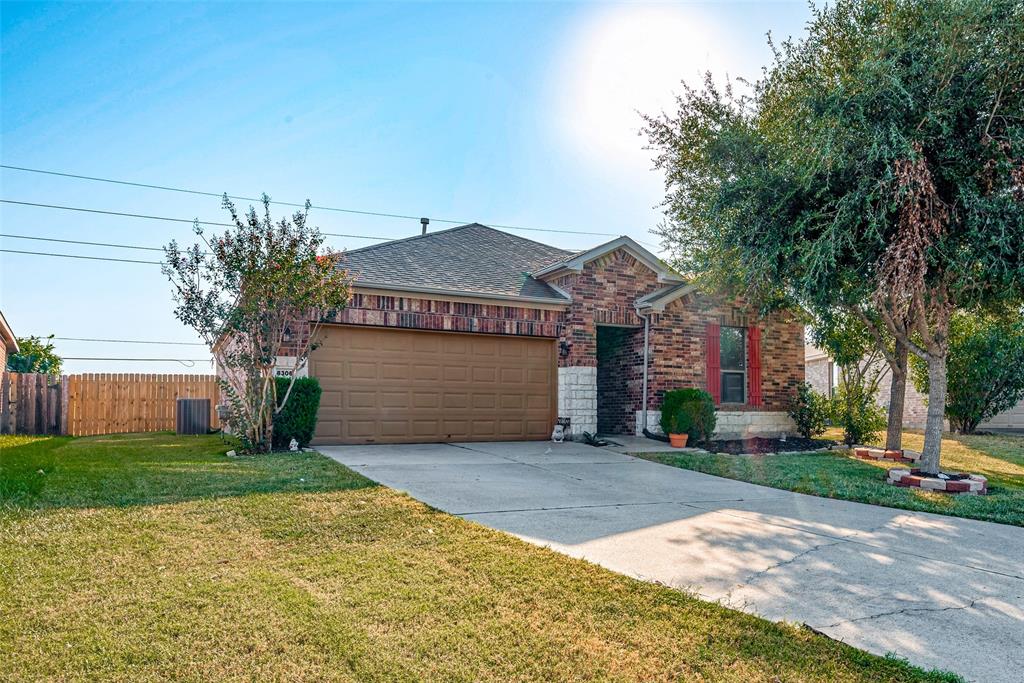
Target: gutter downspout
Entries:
(647, 337)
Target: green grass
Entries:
(835, 475)
(153, 557)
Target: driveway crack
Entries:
(756, 575)
(905, 610)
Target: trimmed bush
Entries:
(698, 413)
(810, 411)
(298, 419)
(855, 410)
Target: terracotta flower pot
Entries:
(678, 440)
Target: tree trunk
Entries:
(929, 462)
(897, 397)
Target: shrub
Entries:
(698, 410)
(810, 411)
(298, 418)
(856, 411)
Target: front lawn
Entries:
(834, 475)
(145, 557)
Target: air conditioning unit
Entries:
(192, 416)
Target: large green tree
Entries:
(877, 167)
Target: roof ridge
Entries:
(412, 237)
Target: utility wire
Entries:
(187, 362)
(126, 341)
(91, 244)
(147, 360)
(88, 258)
(359, 212)
(165, 218)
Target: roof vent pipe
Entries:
(424, 222)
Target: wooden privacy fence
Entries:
(32, 404)
(98, 403)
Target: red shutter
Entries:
(714, 368)
(754, 366)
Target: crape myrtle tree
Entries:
(877, 167)
(253, 293)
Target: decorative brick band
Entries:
(452, 316)
(972, 484)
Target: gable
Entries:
(625, 244)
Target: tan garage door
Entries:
(385, 385)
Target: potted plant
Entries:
(681, 423)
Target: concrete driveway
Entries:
(940, 591)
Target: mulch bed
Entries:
(761, 446)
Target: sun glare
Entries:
(626, 60)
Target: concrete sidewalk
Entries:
(940, 591)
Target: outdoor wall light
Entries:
(287, 336)
(563, 348)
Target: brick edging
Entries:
(974, 484)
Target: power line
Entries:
(166, 218)
(143, 360)
(91, 244)
(128, 341)
(360, 212)
(187, 362)
(88, 258)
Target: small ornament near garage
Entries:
(561, 429)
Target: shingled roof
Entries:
(469, 259)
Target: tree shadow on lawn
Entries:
(152, 469)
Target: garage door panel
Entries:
(357, 370)
(455, 401)
(425, 373)
(394, 371)
(484, 401)
(356, 428)
(426, 399)
(513, 375)
(456, 373)
(390, 386)
(485, 373)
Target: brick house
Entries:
(472, 334)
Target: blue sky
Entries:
(513, 114)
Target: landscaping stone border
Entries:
(867, 453)
(974, 484)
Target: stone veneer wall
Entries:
(577, 398)
(732, 424)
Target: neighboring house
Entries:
(8, 343)
(473, 334)
(823, 376)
